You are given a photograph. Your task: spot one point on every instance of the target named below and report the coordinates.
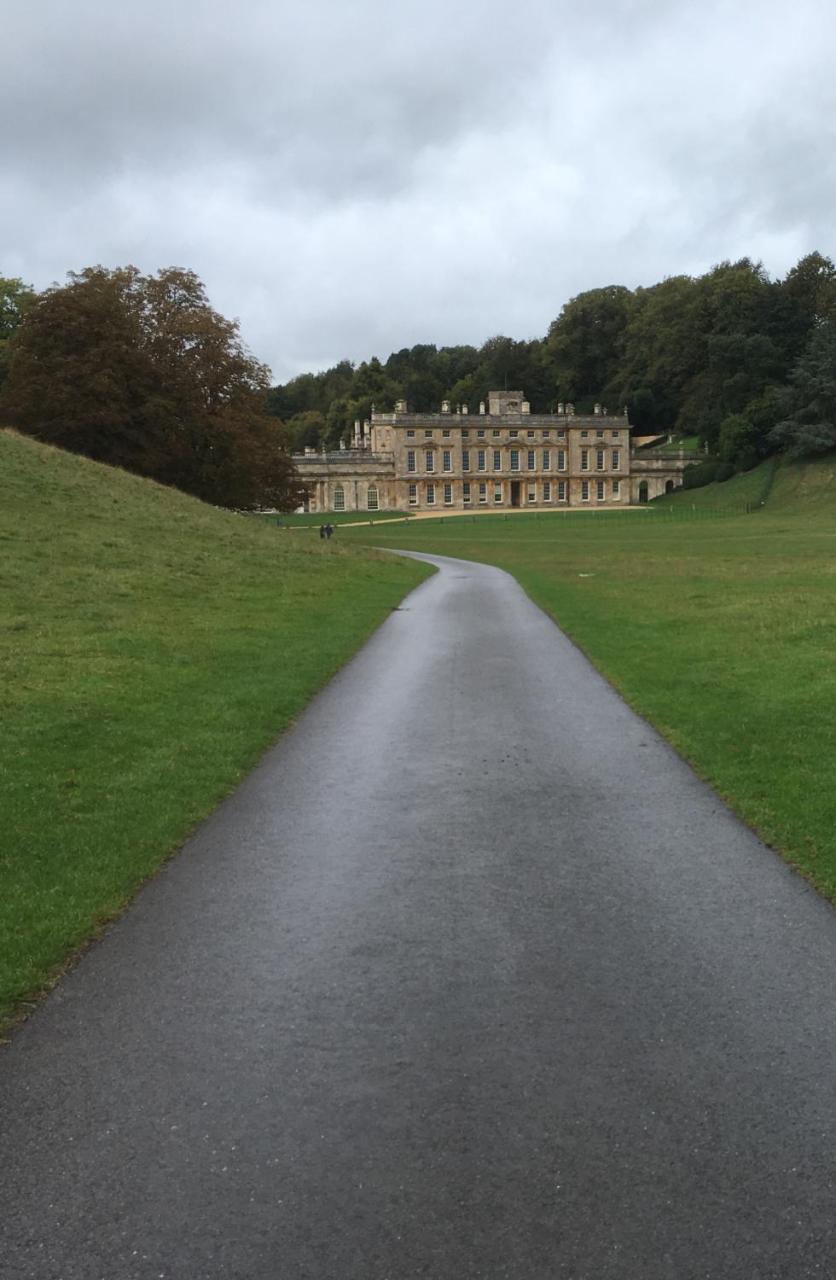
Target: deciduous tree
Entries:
(140, 372)
(15, 297)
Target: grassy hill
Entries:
(806, 489)
(151, 647)
(716, 625)
(802, 488)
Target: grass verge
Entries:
(720, 631)
(312, 520)
(151, 648)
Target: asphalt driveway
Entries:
(472, 977)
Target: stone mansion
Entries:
(503, 457)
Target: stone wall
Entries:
(348, 481)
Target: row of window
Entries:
(446, 434)
(372, 498)
(560, 492)
(515, 459)
(551, 492)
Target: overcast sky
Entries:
(350, 178)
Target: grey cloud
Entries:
(353, 179)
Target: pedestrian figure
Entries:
(329, 529)
(322, 531)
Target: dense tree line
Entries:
(732, 357)
(140, 372)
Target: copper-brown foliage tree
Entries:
(140, 372)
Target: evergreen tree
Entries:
(809, 424)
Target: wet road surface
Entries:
(472, 977)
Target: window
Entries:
(465, 459)
(430, 495)
(531, 495)
(561, 435)
(410, 460)
(410, 435)
(497, 460)
(428, 435)
(599, 434)
(530, 435)
(532, 464)
(616, 488)
(616, 459)
(584, 459)
(446, 461)
(480, 460)
(495, 431)
(466, 432)
(446, 433)
(561, 490)
(372, 500)
(497, 493)
(616, 435)
(448, 495)
(413, 495)
(515, 459)
(584, 491)
(466, 492)
(514, 434)
(547, 459)
(339, 498)
(561, 459)
(481, 433)
(599, 459)
(547, 490)
(546, 433)
(584, 435)
(483, 491)
(599, 490)
(429, 457)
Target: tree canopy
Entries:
(139, 371)
(809, 402)
(15, 297)
(698, 355)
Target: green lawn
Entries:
(151, 647)
(677, 443)
(308, 520)
(719, 628)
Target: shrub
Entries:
(700, 473)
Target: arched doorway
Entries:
(643, 491)
(669, 486)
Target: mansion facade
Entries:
(504, 457)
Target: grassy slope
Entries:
(733, 494)
(151, 647)
(720, 631)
